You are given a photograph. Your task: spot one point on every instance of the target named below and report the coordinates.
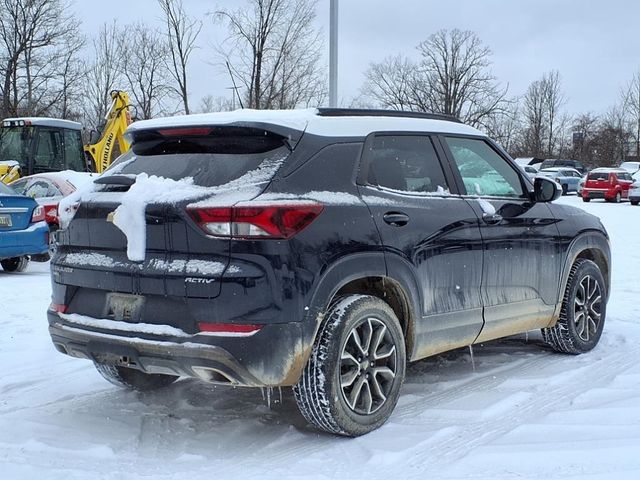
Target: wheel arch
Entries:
(594, 246)
(366, 274)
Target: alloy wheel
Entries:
(586, 308)
(368, 366)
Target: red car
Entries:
(611, 184)
(49, 188)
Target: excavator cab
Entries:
(36, 145)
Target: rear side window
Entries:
(219, 156)
(405, 163)
(598, 176)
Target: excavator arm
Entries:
(100, 154)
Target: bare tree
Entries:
(104, 74)
(275, 52)
(630, 98)
(143, 51)
(544, 122)
(451, 77)
(39, 42)
(392, 83)
(181, 33)
(209, 104)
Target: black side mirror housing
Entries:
(545, 190)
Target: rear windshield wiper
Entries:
(124, 180)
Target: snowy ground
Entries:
(524, 412)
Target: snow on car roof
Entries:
(308, 120)
(76, 179)
(46, 122)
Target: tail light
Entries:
(38, 214)
(268, 221)
(229, 329)
(58, 308)
(611, 180)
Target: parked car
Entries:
(610, 184)
(567, 178)
(575, 164)
(23, 231)
(631, 167)
(529, 170)
(49, 188)
(634, 190)
(321, 250)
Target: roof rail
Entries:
(373, 112)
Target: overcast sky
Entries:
(594, 44)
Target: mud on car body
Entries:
(318, 249)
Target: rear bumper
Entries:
(31, 241)
(272, 357)
(598, 193)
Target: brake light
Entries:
(185, 132)
(58, 308)
(229, 329)
(51, 213)
(38, 214)
(268, 221)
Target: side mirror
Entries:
(545, 190)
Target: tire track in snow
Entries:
(467, 437)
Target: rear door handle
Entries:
(491, 219)
(396, 219)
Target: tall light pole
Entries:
(333, 54)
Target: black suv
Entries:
(318, 249)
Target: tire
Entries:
(580, 326)
(634, 202)
(134, 379)
(15, 264)
(349, 410)
(617, 198)
(586, 199)
(45, 257)
(565, 189)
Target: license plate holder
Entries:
(5, 220)
(124, 307)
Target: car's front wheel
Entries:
(134, 379)
(634, 202)
(586, 199)
(15, 264)
(352, 380)
(583, 311)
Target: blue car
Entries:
(23, 231)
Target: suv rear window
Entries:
(223, 155)
(598, 176)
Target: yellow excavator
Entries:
(100, 153)
(36, 145)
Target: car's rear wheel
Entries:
(634, 202)
(15, 264)
(352, 380)
(134, 379)
(565, 189)
(583, 311)
(617, 198)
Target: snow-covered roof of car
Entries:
(558, 169)
(42, 121)
(315, 121)
(76, 179)
(609, 169)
